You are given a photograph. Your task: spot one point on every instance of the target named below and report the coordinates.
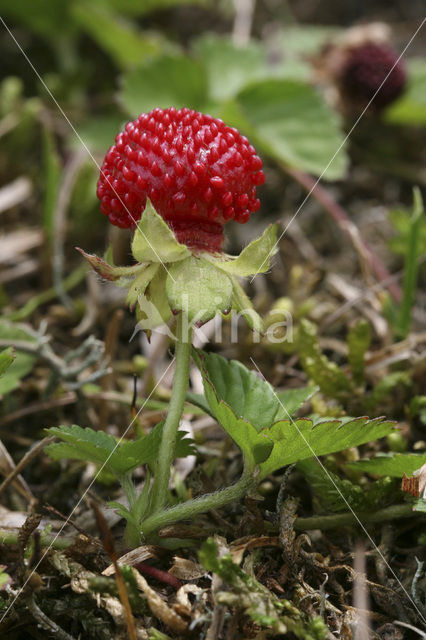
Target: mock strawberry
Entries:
(366, 68)
(198, 173)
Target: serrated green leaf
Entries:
(229, 67)
(242, 390)
(299, 439)
(390, 464)
(326, 374)
(7, 356)
(254, 258)
(163, 82)
(359, 339)
(101, 448)
(81, 444)
(293, 124)
(199, 288)
(154, 241)
(145, 450)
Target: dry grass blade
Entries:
(108, 542)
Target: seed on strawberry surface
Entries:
(198, 173)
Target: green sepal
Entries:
(243, 305)
(140, 283)
(154, 241)
(110, 271)
(254, 258)
(153, 308)
(197, 287)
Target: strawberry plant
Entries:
(181, 272)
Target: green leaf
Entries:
(326, 374)
(336, 494)
(359, 339)
(411, 266)
(82, 444)
(229, 67)
(199, 288)
(300, 439)
(242, 390)
(296, 40)
(329, 488)
(291, 122)
(145, 450)
(410, 109)
(390, 464)
(117, 37)
(154, 241)
(253, 259)
(7, 356)
(293, 399)
(401, 221)
(164, 82)
(102, 449)
(98, 133)
(123, 512)
(22, 362)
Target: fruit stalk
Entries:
(171, 425)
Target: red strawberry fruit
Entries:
(198, 173)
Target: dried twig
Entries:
(30, 455)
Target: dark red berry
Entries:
(366, 68)
(198, 173)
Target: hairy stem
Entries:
(171, 425)
(191, 508)
(348, 519)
